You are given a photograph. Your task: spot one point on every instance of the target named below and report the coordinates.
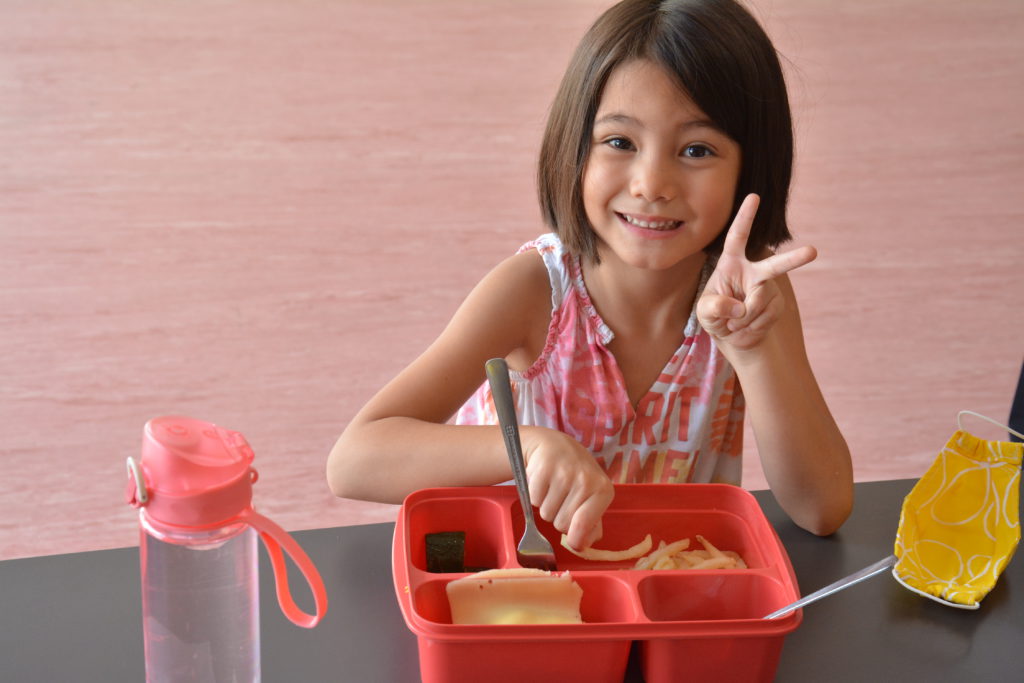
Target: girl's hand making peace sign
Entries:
(741, 301)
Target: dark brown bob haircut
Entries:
(722, 60)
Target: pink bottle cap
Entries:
(193, 473)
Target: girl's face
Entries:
(659, 183)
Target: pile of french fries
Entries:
(676, 556)
(666, 556)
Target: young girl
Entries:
(640, 329)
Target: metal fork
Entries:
(534, 550)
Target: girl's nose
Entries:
(653, 180)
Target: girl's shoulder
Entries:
(525, 273)
(538, 271)
(509, 308)
(520, 295)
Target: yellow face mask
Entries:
(960, 524)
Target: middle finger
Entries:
(779, 264)
(553, 502)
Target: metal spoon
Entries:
(534, 550)
(839, 585)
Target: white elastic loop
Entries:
(960, 424)
(941, 601)
(140, 484)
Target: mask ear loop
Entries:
(960, 424)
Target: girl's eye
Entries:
(619, 143)
(697, 152)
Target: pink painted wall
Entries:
(255, 213)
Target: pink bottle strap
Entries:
(274, 538)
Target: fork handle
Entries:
(504, 405)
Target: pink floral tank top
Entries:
(687, 428)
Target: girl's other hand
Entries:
(566, 484)
(741, 301)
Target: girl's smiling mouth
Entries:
(648, 223)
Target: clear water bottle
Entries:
(197, 549)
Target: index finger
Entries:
(739, 232)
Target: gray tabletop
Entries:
(77, 617)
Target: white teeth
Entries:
(659, 225)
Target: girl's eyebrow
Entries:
(620, 118)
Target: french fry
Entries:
(710, 548)
(691, 559)
(721, 562)
(663, 551)
(664, 562)
(597, 554)
(740, 564)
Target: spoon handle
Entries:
(839, 585)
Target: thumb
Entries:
(714, 311)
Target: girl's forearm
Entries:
(386, 459)
(805, 458)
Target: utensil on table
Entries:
(839, 585)
(534, 550)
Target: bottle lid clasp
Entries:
(136, 494)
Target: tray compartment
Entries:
(629, 520)
(606, 599)
(430, 602)
(718, 625)
(711, 595)
(484, 521)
